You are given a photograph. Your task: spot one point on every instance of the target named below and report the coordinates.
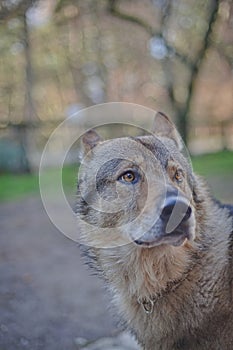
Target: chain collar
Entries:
(149, 303)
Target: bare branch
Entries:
(183, 117)
(114, 10)
(166, 63)
(29, 106)
(193, 66)
(222, 52)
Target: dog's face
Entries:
(136, 190)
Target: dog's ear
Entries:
(89, 140)
(162, 126)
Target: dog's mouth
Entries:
(175, 226)
(175, 238)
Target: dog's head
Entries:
(139, 190)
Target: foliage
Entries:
(176, 56)
(80, 55)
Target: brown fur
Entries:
(187, 288)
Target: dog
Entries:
(163, 245)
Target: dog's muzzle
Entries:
(175, 224)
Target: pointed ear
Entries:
(162, 126)
(89, 140)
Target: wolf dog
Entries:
(159, 239)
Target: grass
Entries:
(21, 185)
(17, 186)
(217, 166)
(218, 171)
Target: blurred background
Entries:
(58, 57)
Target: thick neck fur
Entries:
(144, 272)
(199, 269)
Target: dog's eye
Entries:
(129, 177)
(179, 176)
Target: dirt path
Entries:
(47, 296)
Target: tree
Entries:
(10, 10)
(193, 65)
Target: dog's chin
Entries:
(176, 238)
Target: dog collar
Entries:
(149, 303)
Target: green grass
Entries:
(21, 185)
(214, 164)
(17, 186)
(217, 169)
(217, 165)
(69, 177)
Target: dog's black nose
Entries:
(138, 242)
(182, 210)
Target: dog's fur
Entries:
(173, 294)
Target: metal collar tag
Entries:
(147, 304)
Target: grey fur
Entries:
(190, 285)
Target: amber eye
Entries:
(129, 176)
(179, 175)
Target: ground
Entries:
(48, 299)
